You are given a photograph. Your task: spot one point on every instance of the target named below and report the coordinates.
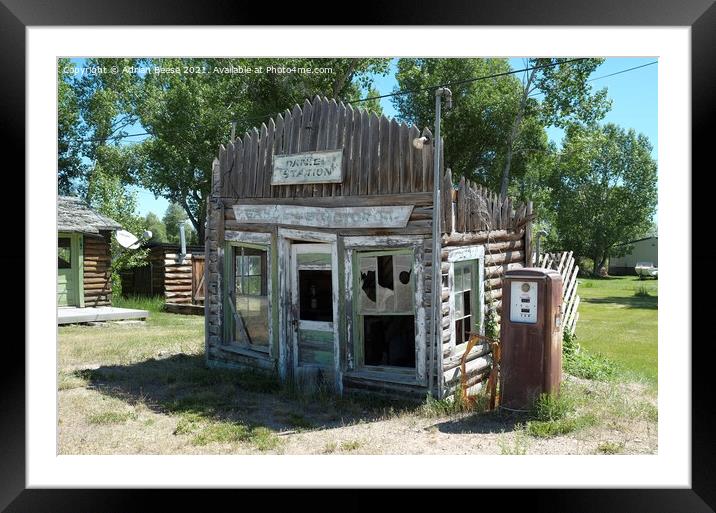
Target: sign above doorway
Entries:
(309, 167)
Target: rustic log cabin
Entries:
(83, 254)
(319, 253)
(176, 275)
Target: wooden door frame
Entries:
(285, 271)
(76, 265)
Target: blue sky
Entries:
(633, 94)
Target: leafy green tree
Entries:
(156, 226)
(483, 111)
(605, 190)
(107, 195)
(174, 217)
(567, 98)
(70, 133)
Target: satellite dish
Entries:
(127, 240)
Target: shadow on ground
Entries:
(643, 302)
(489, 422)
(182, 384)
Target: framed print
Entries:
(309, 244)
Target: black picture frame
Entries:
(700, 15)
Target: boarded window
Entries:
(250, 297)
(465, 300)
(386, 308)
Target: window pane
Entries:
(367, 284)
(459, 309)
(459, 332)
(467, 327)
(389, 340)
(315, 295)
(64, 253)
(466, 302)
(251, 297)
(405, 298)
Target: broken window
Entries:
(465, 300)
(248, 301)
(386, 308)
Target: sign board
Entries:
(309, 167)
(324, 217)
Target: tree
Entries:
(605, 190)
(567, 99)
(188, 115)
(174, 217)
(107, 195)
(483, 111)
(156, 226)
(70, 166)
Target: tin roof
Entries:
(74, 215)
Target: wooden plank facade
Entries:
(323, 282)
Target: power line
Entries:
(468, 80)
(610, 74)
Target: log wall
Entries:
(96, 278)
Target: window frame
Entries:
(459, 255)
(252, 241)
(377, 246)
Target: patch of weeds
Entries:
(206, 432)
(69, 381)
(586, 284)
(203, 401)
(549, 407)
(517, 445)
(550, 428)
(610, 447)
(88, 374)
(351, 445)
(299, 421)
(553, 415)
(642, 291)
(189, 423)
(222, 432)
(111, 417)
(451, 405)
(330, 447)
(590, 366)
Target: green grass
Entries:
(111, 417)
(618, 319)
(152, 304)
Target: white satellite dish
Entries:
(127, 240)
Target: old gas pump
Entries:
(530, 336)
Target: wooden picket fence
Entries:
(565, 265)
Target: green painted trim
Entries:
(81, 269)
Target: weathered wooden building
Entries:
(177, 276)
(319, 255)
(83, 254)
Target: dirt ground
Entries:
(172, 404)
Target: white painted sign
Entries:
(310, 167)
(323, 217)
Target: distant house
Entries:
(83, 254)
(644, 250)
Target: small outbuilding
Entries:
(177, 276)
(83, 254)
(319, 251)
(84, 260)
(642, 250)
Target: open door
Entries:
(313, 313)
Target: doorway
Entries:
(313, 314)
(68, 270)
